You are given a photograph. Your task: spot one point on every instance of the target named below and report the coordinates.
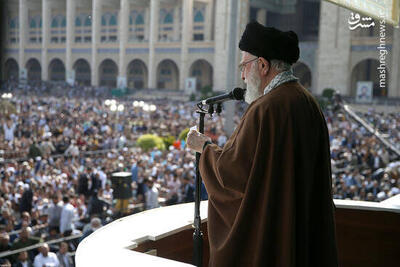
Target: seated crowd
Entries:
(363, 168)
(59, 154)
(387, 124)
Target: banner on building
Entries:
(71, 77)
(121, 82)
(364, 92)
(190, 85)
(23, 74)
(387, 10)
(23, 77)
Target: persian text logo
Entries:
(382, 50)
(356, 21)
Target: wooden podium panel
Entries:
(178, 247)
(368, 237)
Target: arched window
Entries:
(63, 22)
(113, 20)
(33, 24)
(88, 21)
(139, 20)
(196, 72)
(12, 24)
(78, 22)
(103, 21)
(168, 19)
(198, 17)
(54, 23)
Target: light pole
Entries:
(114, 107)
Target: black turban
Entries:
(270, 43)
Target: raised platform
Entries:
(114, 244)
(368, 235)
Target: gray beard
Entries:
(253, 85)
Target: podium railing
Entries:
(368, 235)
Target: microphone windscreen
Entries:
(238, 93)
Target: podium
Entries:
(166, 234)
(367, 235)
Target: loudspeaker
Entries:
(121, 184)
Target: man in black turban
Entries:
(274, 50)
(270, 201)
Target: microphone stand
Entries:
(198, 234)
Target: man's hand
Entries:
(195, 140)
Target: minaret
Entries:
(333, 56)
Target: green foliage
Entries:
(328, 93)
(323, 103)
(206, 90)
(203, 93)
(150, 141)
(183, 134)
(168, 140)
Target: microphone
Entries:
(235, 94)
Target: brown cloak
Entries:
(270, 201)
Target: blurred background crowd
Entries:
(59, 149)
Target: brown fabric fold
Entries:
(270, 200)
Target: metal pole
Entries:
(198, 235)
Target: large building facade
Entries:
(161, 43)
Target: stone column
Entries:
(146, 26)
(221, 45)
(46, 13)
(6, 17)
(237, 10)
(333, 55)
(5, 37)
(23, 26)
(394, 79)
(123, 38)
(227, 55)
(244, 11)
(262, 16)
(96, 25)
(176, 24)
(4, 30)
(208, 25)
(71, 10)
(187, 37)
(153, 37)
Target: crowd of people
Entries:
(59, 154)
(387, 124)
(57, 89)
(363, 168)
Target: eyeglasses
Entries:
(242, 65)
